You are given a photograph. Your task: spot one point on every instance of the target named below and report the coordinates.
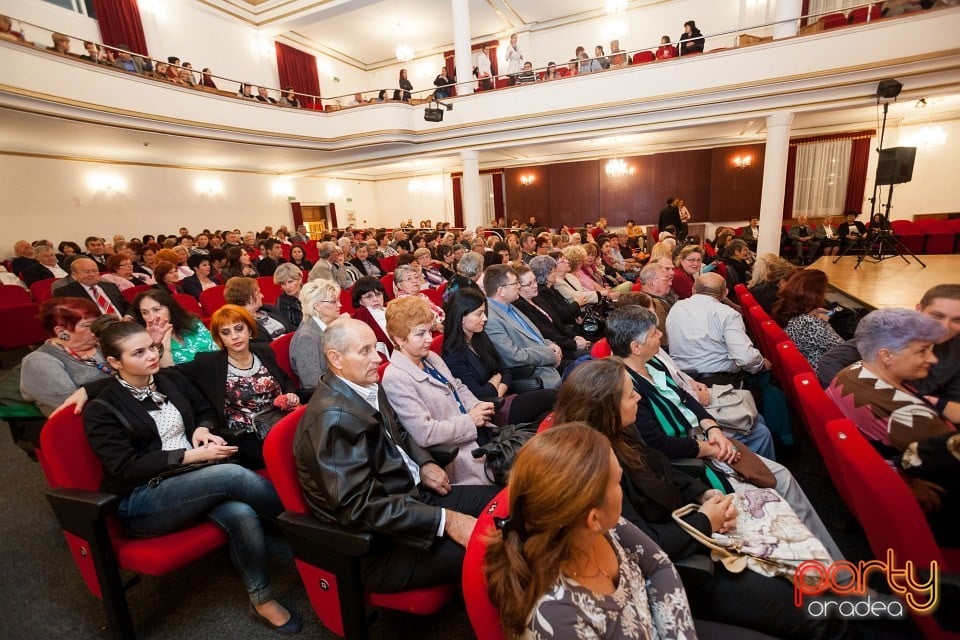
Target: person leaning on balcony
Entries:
(289, 98)
(61, 44)
(691, 40)
(7, 32)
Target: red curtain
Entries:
(857, 178)
(457, 202)
(119, 22)
(451, 66)
(499, 210)
(298, 69)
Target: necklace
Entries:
(90, 360)
(236, 363)
(600, 571)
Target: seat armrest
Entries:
(443, 454)
(525, 385)
(695, 569)
(690, 466)
(78, 510)
(304, 532)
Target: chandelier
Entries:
(617, 168)
(404, 52)
(616, 7)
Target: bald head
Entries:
(711, 284)
(85, 271)
(350, 347)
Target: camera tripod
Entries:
(881, 243)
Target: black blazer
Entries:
(262, 337)
(132, 457)
(559, 308)
(36, 273)
(473, 372)
(549, 327)
(358, 263)
(77, 290)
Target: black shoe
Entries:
(288, 628)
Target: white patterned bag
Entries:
(769, 537)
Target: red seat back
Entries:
(817, 409)
(865, 14)
(546, 423)
(755, 316)
(383, 367)
(387, 281)
(132, 292)
(434, 295)
(42, 290)
(13, 294)
(346, 300)
(21, 325)
(640, 57)
(483, 614)
(437, 344)
(601, 349)
(188, 303)
(270, 289)
(278, 455)
(281, 351)
(770, 336)
(834, 20)
(388, 264)
(212, 299)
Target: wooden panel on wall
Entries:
(735, 192)
(523, 201)
(626, 198)
(574, 192)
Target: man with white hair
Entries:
(46, 266)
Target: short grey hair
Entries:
(652, 270)
(42, 249)
(339, 335)
(315, 291)
(470, 265)
(711, 284)
(286, 271)
(324, 249)
(895, 329)
(404, 270)
(629, 324)
(542, 267)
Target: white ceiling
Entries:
(33, 134)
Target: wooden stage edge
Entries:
(891, 283)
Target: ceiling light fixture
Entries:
(618, 168)
(404, 51)
(616, 7)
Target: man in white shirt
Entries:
(358, 468)
(46, 267)
(708, 338)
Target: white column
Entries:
(789, 11)
(470, 189)
(461, 46)
(774, 182)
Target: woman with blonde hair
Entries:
(564, 564)
(770, 274)
(571, 287)
(320, 302)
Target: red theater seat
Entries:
(87, 516)
(327, 555)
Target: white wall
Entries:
(48, 18)
(933, 188)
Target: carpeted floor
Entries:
(44, 597)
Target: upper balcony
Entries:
(828, 79)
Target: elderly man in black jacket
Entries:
(358, 468)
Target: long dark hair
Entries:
(801, 294)
(182, 320)
(461, 303)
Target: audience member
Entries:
(87, 284)
(394, 489)
(270, 323)
(799, 310)
(320, 301)
(804, 244)
(691, 40)
(182, 334)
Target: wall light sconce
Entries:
(106, 182)
(209, 186)
(742, 162)
(334, 191)
(618, 168)
(527, 180)
(282, 187)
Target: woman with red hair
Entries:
(799, 310)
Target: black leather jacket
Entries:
(352, 472)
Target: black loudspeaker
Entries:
(888, 89)
(433, 115)
(895, 165)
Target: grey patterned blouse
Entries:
(649, 601)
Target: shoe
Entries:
(289, 628)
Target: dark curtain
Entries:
(119, 22)
(450, 64)
(297, 212)
(333, 212)
(499, 211)
(857, 178)
(298, 69)
(457, 202)
(791, 179)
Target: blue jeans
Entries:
(233, 497)
(759, 440)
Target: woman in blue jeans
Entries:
(151, 430)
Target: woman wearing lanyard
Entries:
(433, 406)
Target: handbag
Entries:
(748, 467)
(732, 408)
(501, 449)
(769, 538)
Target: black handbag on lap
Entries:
(502, 448)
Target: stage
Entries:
(891, 283)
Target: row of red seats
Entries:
(883, 503)
(857, 16)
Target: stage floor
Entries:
(891, 283)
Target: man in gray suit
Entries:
(516, 338)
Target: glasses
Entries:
(532, 283)
(515, 283)
(693, 260)
(371, 295)
(329, 301)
